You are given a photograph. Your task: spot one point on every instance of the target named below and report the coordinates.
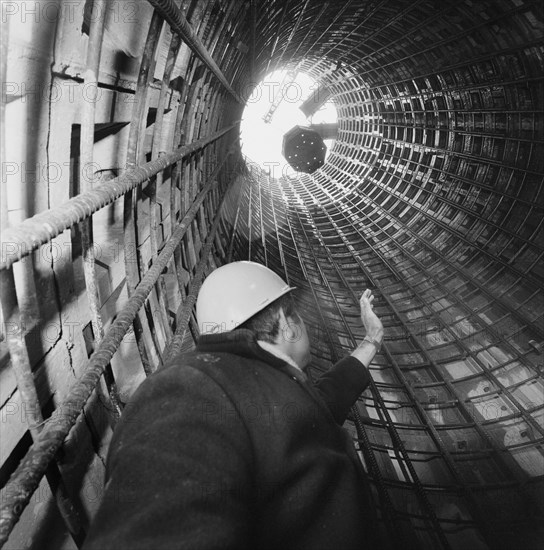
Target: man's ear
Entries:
(288, 327)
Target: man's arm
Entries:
(373, 339)
(342, 384)
(179, 470)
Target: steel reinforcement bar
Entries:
(183, 314)
(26, 478)
(179, 24)
(19, 241)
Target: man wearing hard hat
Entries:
(231, 446)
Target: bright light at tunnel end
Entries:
(262, 141)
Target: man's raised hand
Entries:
(373, 325)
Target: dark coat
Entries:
(230, 447)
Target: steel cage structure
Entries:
(432, 195)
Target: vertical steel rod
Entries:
(94, 49)
(134, 267)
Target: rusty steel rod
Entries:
(3, 180)
(235, 225)
(24, 376)
(277, 37)
(253, 47)
(157, 182)
(19, 241)
(86, 179)
(25, 480)
(179, 24)
(86, 146)
(291, 35)
(11, 315)
(144, 329)
(175, 190)
(183, 314)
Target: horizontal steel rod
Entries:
(19, 241)
(178, 22)
(25, 480)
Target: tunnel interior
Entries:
(124, 185)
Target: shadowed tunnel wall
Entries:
(123, 185)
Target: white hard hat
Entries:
(233, 293)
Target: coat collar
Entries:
(271, 348)
(243, 342)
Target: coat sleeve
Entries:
(179, 470)
(341, 385)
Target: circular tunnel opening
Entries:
(283, 99)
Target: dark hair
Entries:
(266, 324)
